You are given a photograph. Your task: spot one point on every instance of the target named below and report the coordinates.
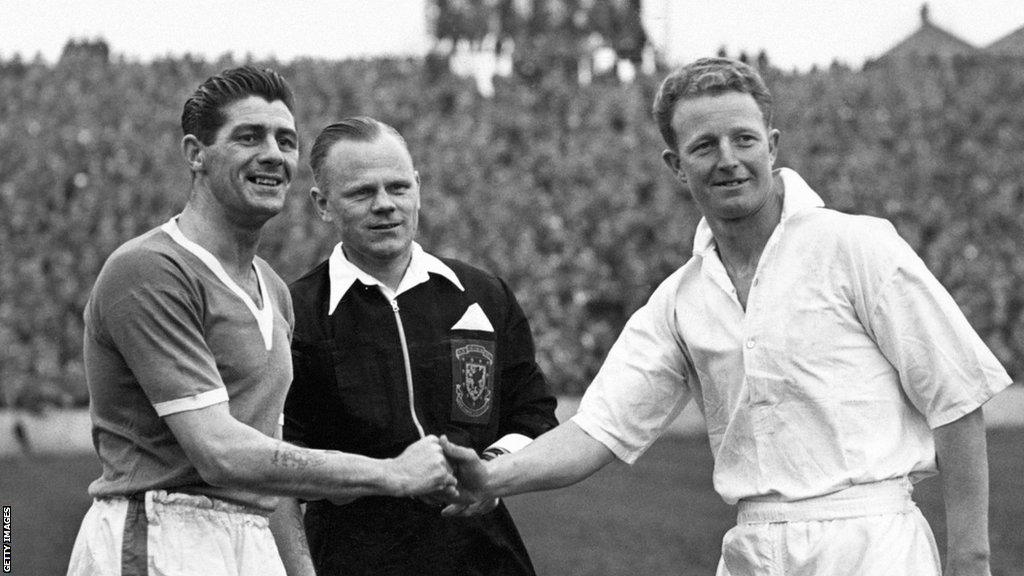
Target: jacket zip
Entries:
(408, 369)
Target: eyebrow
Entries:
(372, 184)
(698, 139)
(704, 136)
(262, 129)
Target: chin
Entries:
(264, 211)
(269, 210)
(733, 212)
(391, 250)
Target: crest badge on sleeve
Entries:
(472, 380)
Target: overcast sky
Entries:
(796, 33)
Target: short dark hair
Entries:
(354, 128)
(708, 76)
(203, 114)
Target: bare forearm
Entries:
(276, 467)
(229, 453)
(963, 463)
(558, 458)
(290, 535)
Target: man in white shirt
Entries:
(832, 369)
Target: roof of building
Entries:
(930, 39)
(1010, 45)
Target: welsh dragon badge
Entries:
(472, 380)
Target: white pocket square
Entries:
(474, 319)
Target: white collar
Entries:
(797, 196)
(264, 317)
(343, 273)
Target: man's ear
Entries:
(773, 144)
(671, 160)
(192, 152)
(419, 196)
(320, 204)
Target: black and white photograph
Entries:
(512, 288)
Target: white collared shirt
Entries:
(848, 353)
(344, 273)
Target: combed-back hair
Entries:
(355, 129)
(708, 76)
(203, 114)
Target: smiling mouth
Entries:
(266, 180)
(385, 226)
(731, 183)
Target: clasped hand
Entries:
(436, 471)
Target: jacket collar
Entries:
(343, 274)
(797, 197)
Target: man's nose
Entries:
(727, 155)
(382, 200)
(270, 152)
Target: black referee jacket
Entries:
(375, 375)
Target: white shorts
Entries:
(864, 530)
(172, 534)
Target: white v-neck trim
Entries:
(264, 317)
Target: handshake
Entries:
(441, 473)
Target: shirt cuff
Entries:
(507, 444)
(958, 411)
(194, 402)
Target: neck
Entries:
(388, 272)
(233, 244)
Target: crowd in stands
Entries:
(556, 186)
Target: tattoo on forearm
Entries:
(291, 457)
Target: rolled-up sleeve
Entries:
(644, 383)
(945, 368)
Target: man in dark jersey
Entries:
(187, 338)
(393, 344)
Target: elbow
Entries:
(214, 473)
(219, 476)
(218, 468)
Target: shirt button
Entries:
(750, 343)
(755, 281)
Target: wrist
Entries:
(392, 483)
(489, 488)
(968, 562)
